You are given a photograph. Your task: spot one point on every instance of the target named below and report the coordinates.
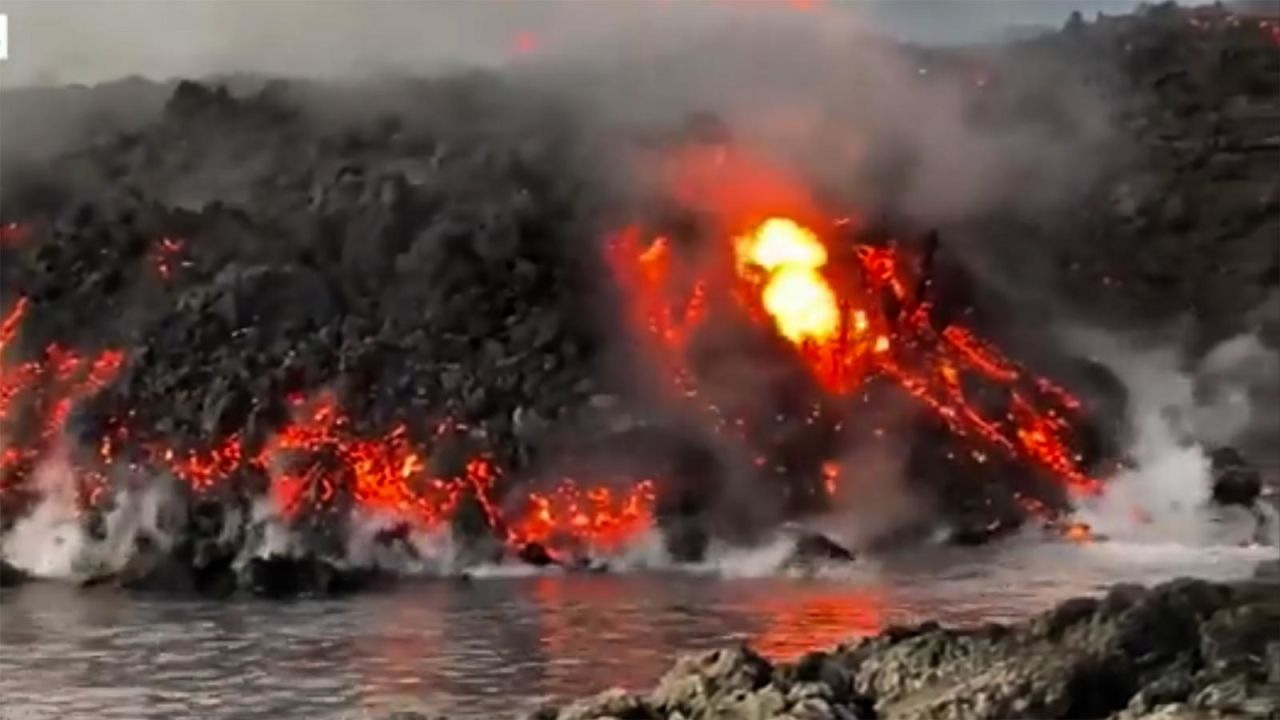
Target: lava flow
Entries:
(857, 312)
(51, 385)
(312, 464)
(569, 513)
(848, 310)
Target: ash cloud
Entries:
(780, 73)
(877, 124)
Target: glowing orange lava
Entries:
(43, 391)
(862, 319)
(1079, 532)
(601, 517)
(849, 313)
(315, 463)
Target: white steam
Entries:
(49, 541)
(53, 541)
(762, 560)
(1164, 496)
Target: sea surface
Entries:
(499, 644)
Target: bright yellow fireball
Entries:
(795, 294)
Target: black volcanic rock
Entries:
(281, 577)
(11, 576)
(342, 255)
(814, 548)
(1268, 571)
(686, 540)
(535, 554)
(1235, 481)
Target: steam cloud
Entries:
(820, 86)
(1175, 424)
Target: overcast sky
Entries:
(60, 41)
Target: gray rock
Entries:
(615, 703)
(1184, 649)
(812, 708)
(702, 680)
(1235, 481)
(815, 548)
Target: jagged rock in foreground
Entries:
(1183, 649)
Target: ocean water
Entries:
(500, 643)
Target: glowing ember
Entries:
(13, 234)
(164, 256)
(1079, 532)
(203, 471)
(12, 319)
(830, 477)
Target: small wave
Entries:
(1137, 553)
(753, 562)
(511, 570)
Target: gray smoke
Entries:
(821, 89)
(83, 41)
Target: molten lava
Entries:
(42, 392)
(853, 319)
(314, 463)
(848, 311)
(570, 513)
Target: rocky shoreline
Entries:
(1183, 649)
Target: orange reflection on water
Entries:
(589, 622)
(819, 621)
(556, 633)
